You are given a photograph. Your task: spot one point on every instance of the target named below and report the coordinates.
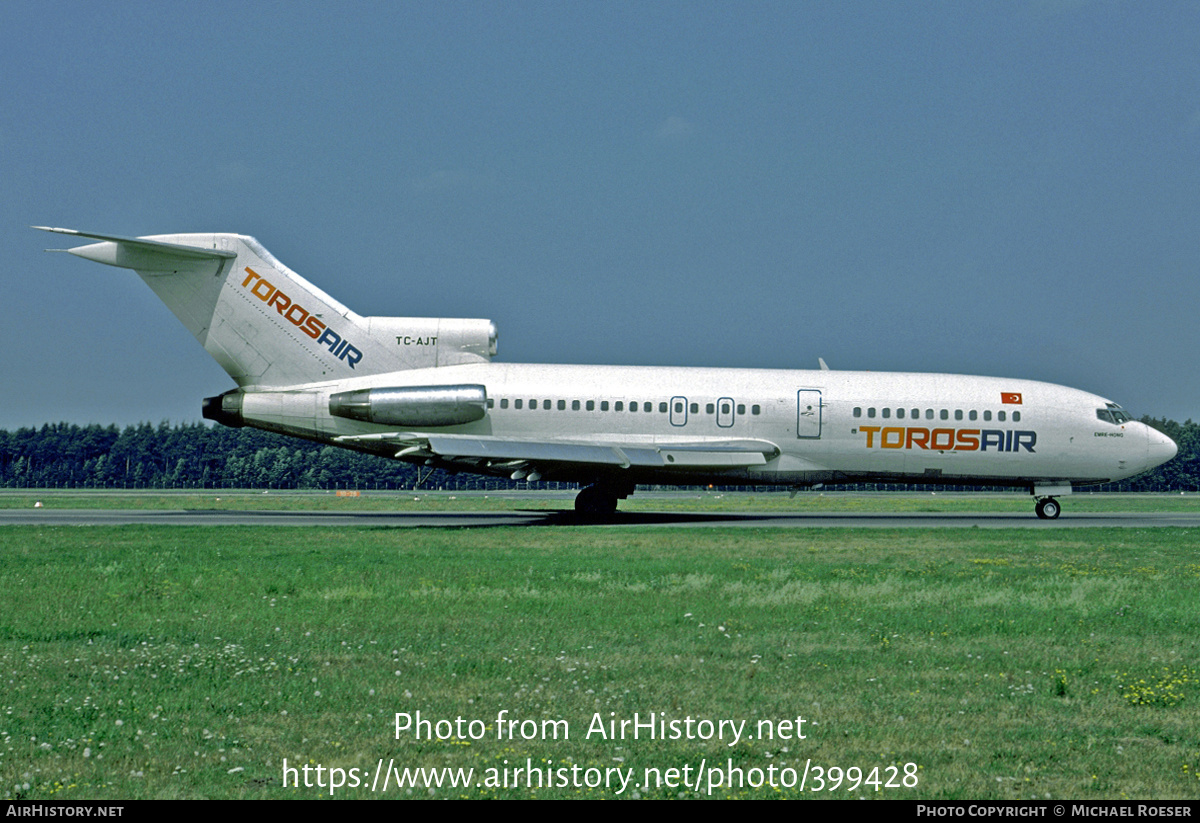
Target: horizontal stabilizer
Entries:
(139, 253)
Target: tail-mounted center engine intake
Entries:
(412, 405)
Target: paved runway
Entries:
(535, 517)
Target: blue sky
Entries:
(1007, 189)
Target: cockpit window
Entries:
(1112, 413)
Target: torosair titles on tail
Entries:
(426, 391)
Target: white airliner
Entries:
(426, 391)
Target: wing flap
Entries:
(496, 448)
(693, 454)
(712, 459)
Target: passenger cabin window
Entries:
(754, 409)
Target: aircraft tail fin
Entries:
(269, 327)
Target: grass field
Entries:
(160, 662)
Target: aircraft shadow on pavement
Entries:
(572, 518)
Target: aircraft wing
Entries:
(691, 454)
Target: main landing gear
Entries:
(600, 499)
(1047, 508)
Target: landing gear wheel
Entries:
(1048, 508)
(595, 500)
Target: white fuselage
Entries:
(827, 426)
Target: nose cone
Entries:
(1159, 448)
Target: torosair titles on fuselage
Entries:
(425, 390)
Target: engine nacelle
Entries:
(412, 405)
(429, 342)
(225, 408)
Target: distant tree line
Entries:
(195, 455)
(182, 456)
(1182, 473)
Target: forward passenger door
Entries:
(808, 414)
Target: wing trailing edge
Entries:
(715, 454)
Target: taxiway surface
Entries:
(546, 517)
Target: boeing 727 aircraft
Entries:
(426, 391)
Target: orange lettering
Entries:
(968, 440)
(296, 308)
(280, 301)
(261, 296)
(918, 437)
(936, 433)
(313, 327)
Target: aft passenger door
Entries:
(679, 411)
(725, 413)
(808, 413)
